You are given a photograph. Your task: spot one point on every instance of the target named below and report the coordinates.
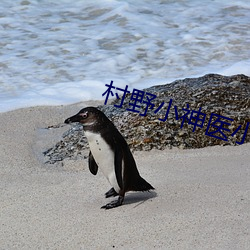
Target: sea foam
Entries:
(62, 52)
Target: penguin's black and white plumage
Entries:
(110, 152)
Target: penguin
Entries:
(110, 152)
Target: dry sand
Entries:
(201, 201)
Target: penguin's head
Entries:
(88, 117)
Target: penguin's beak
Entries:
(74, 118)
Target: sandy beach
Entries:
(201, 198)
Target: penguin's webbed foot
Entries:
(111, 193)
(113, 204)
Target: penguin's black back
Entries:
(131, 178)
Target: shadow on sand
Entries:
(138, 198)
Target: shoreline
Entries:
(201, 198)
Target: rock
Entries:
(221, 95)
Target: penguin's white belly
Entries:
(104, 157)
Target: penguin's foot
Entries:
(111, 193)
(113, 204)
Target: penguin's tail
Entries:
(141, 185)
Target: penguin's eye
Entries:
(84, 115)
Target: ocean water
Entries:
(61, 52)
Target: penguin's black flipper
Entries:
(93, 167)
(118, 166)
(111, 193)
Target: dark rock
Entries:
(221, 95)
